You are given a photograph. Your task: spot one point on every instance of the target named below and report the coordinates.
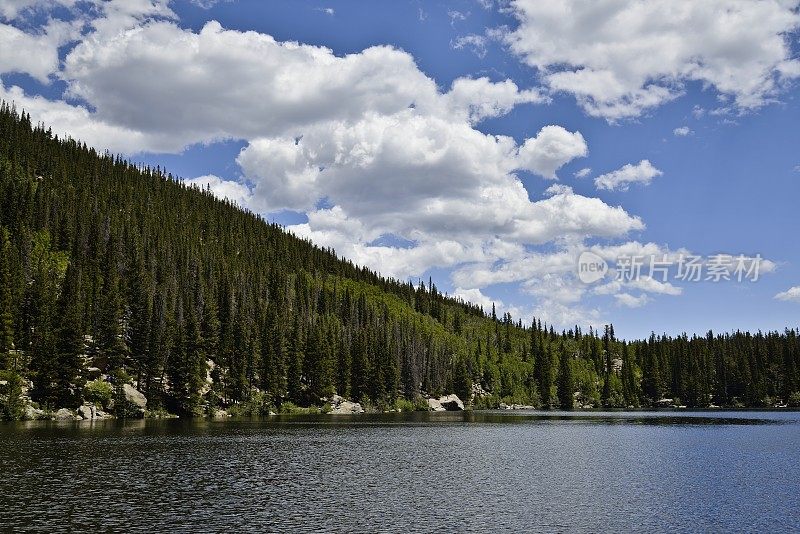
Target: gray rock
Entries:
(347, 407)
(87, 411)
(451, 403)
(134, 396)
(504, 406)
(31, 413)
(435, 406)
(341, 406)
(64, 414)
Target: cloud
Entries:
(370, 148)
(641, 173)
(620, 59)
(206, 4)
(476, 99)
(790, 295)
(558, 189)
(456, 16)
(583, 173)
(682, 131)
(473, 42)
(629, 301)
(475, 296)
(13, 9)
(521, 265)
(34, 54)
(566, 316)
(395, 156)
(224, 189)
(206, 79)
(453, 185)
(552, 148)
(642, 283)
(650, 285)
(78, 122)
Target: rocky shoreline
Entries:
(136, 408)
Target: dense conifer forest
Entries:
(113, 274)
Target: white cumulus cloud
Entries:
(629, 301)
(366, 145)
(225, 189)
(620, 59)
(791, 294)
(553, 147)
(641, 173)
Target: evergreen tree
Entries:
(566, 383)
(69, 343)
(6, 313)
(111, 343)
(296, 362)
(359, 381)
(629, 386)
(608, 339)
(544, 374)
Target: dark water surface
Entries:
(438, 472)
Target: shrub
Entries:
(258, 404)
(486, 402)
(11, 407)
(419, 404)
(99, 392)
(291, 408)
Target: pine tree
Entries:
(608, 338)
(629, 386)
(566, 384)
(344, 362)
(141, 311)
(111, 343)
(296, 355)
(186, 366)
(69, 342)
(6, 313)
(47, 272)
(544, 373)
(359, 381)
(273, 356)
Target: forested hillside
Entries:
(112, 274)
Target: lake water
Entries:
(437, 472)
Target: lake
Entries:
(431, 472)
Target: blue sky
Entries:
(425, 138)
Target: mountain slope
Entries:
(112, 274)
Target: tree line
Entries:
(113, 273)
